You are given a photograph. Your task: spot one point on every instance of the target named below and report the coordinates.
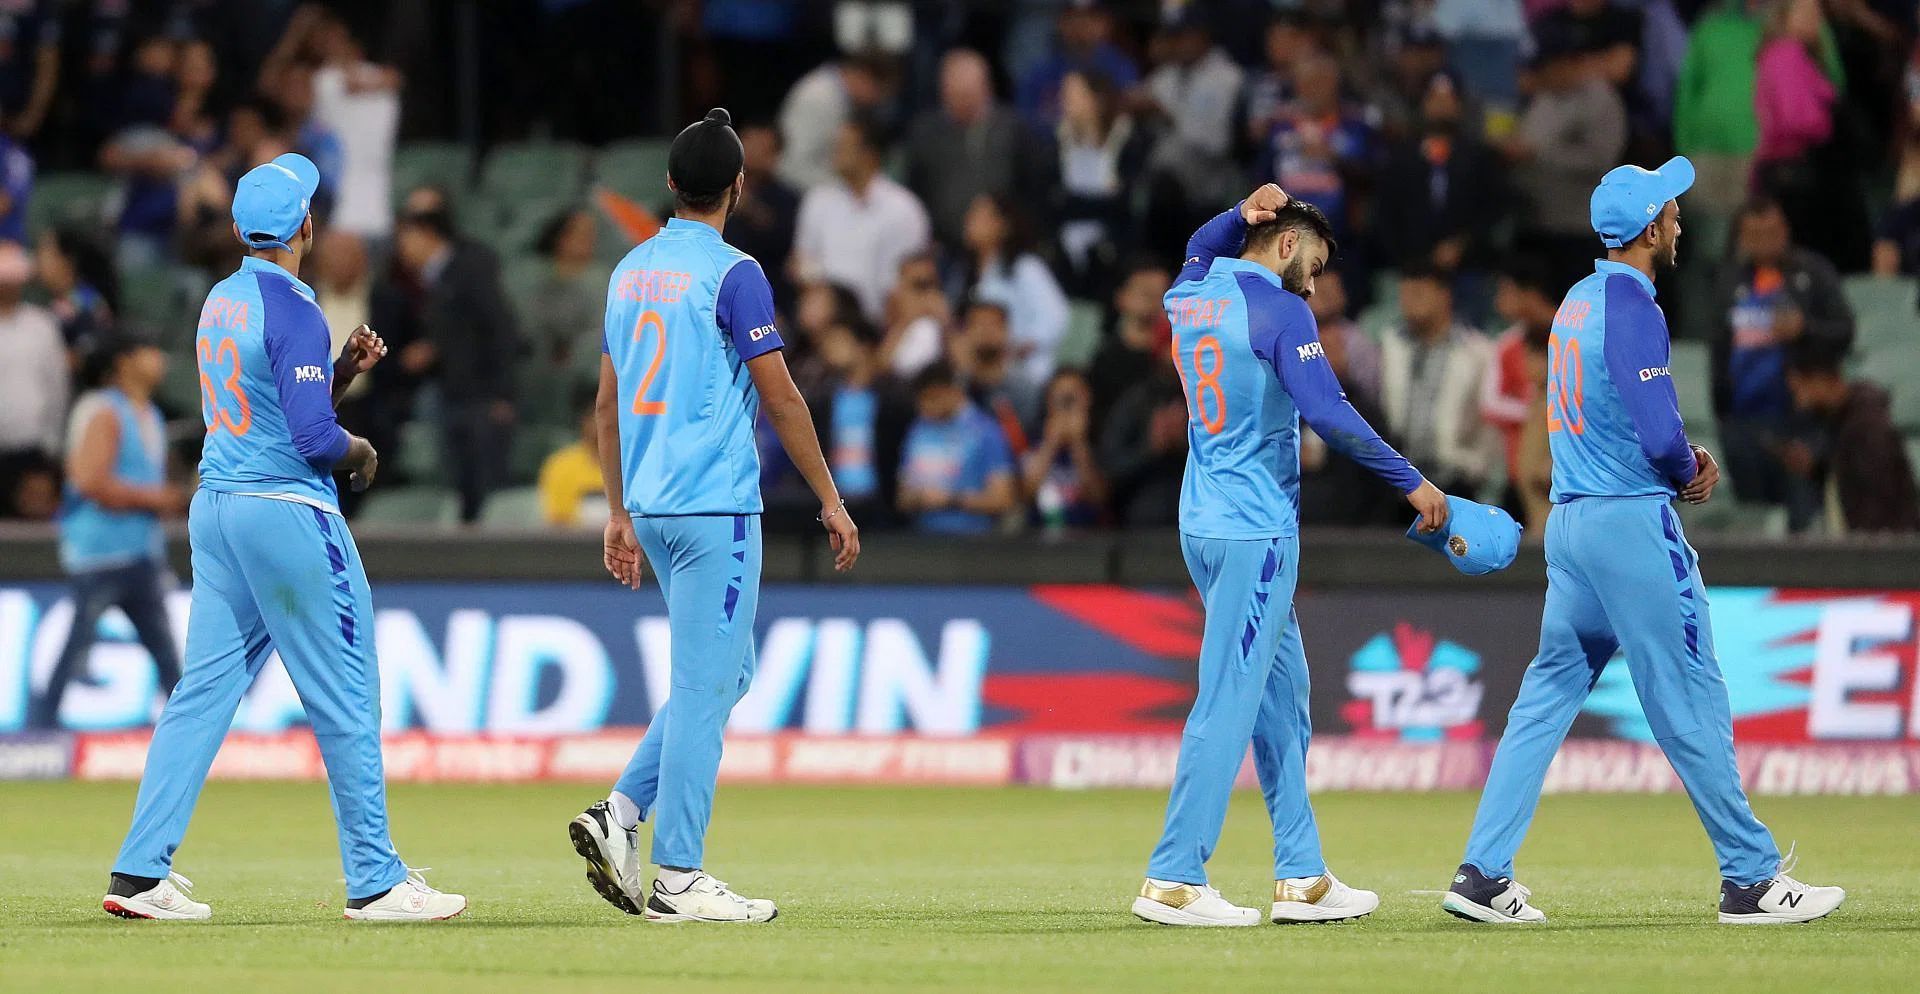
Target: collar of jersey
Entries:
(699, 229)
(255, 264)
(1608, 267)
(1227, 262)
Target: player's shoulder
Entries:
(1271, 303)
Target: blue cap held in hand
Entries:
(1629, 198)
(1477, 539)
(272, 200)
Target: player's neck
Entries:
(1642, 261)
(280, 257)
(717, 220)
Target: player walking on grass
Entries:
(1621, 576)
(691, 352)
(1248, 352)
(274, 567)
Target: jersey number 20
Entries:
(1566, 386)
(641, 405)
(1206, 378)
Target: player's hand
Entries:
(1263, 204)
(842, 534)
(362, 349)
(363, 461)
(1705, 477)
(620, 551)
(1432, 505)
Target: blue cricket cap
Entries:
(271, 200)
(1629, 198)
(1477, 539)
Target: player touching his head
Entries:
(1249, 355)
(1621, 576)
(691, 354)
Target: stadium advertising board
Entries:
(1078, 685)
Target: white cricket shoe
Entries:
(164, 901)
(1320, 899)
(707, 899)
(1780, 901)
(1166, 903)
(612, 855)
(410, 900)
(1477, 897)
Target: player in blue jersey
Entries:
(1621, 576)
(691, 354)
(274, 568)
(1249, 354)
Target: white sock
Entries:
(675, 881)
(626, 814)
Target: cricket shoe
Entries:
(707, 899)
(612, 854)
(1780, 901)
(1166, 903)
(1477, 897)
(410, 900)
(1319, 899)
(164, 901)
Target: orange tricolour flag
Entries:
(633, 218)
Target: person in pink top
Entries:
(1792, 96)
(1802, 159)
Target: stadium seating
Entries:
(419, 456)
(634, 168)
(514, 507)
(1884, 311)
(410, 505)
(447, 164)
(60, 198)
(1692, 368)
(534, 170)
(1082, 339)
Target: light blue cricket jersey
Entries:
(1613, 419)
(94, 537)
(266, 389)
(685, 311)
(1249, 356)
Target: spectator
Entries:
(1484, 41)
(1101, 149)
(1320, 150)
(151, 162)
(292, 90)
(1572, 131)
(1084, 47)
(1394, 99)
(1431, 370)
(16, 189)
(857, 228)
(1143, 448)
(117, 492)
(956, 472)
(1803, 158)
(345, 294)
(1530, 472)
(1060, 475)
(982, 356)
(1135, 338)
(467, 346)
(1194, 94)
(563, 323)
(1858, 448)
(1003, 268)
(1441, 190)
(33, 380)
(30, 487)
(1770, 295)
(571, 490)
(861, 413)
(968, 146)
(763, 219)
(195, 74)
(147, 94)
(358, 100)
(1605, 28)
(1271, 89)
(1527, 299)
(201, 196)
(1341, 491)
(80, 285)
(29, 65)
(1359, 364)
(818, 106)
(918, 315)
(821, 306)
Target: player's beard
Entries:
(1293, 279)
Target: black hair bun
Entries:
(719, 115)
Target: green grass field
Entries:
(938, 890)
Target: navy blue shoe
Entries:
(1780, 901)
(1477, 897)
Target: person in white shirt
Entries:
(858, 228)
(1006, 271)
(34, 381)
(359, 101)
(815, 108)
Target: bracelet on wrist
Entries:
(827, 515)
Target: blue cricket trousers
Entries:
(709, 569)
(1621, 576)
(272, 574)
(1253, 686)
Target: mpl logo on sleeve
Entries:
(1311, 351)
(309, 374)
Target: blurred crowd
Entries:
(971, 211)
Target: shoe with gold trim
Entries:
(1320, 899)
(1166, 902)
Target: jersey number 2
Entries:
(641, 405)
(1206, 378)
(1566, 386)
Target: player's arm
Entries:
(90, 470)
(1637, 356)
(358, 354)
(1283, 332)
(297, 353)
(620, 550)
(1226, 234)
(745, 312)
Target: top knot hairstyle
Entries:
(705, 159)
(1297, 215)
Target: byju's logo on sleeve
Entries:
(1652, 371)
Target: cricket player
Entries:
(691, 352)
(1621, 576)
(1249, 355)
(274, 567)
